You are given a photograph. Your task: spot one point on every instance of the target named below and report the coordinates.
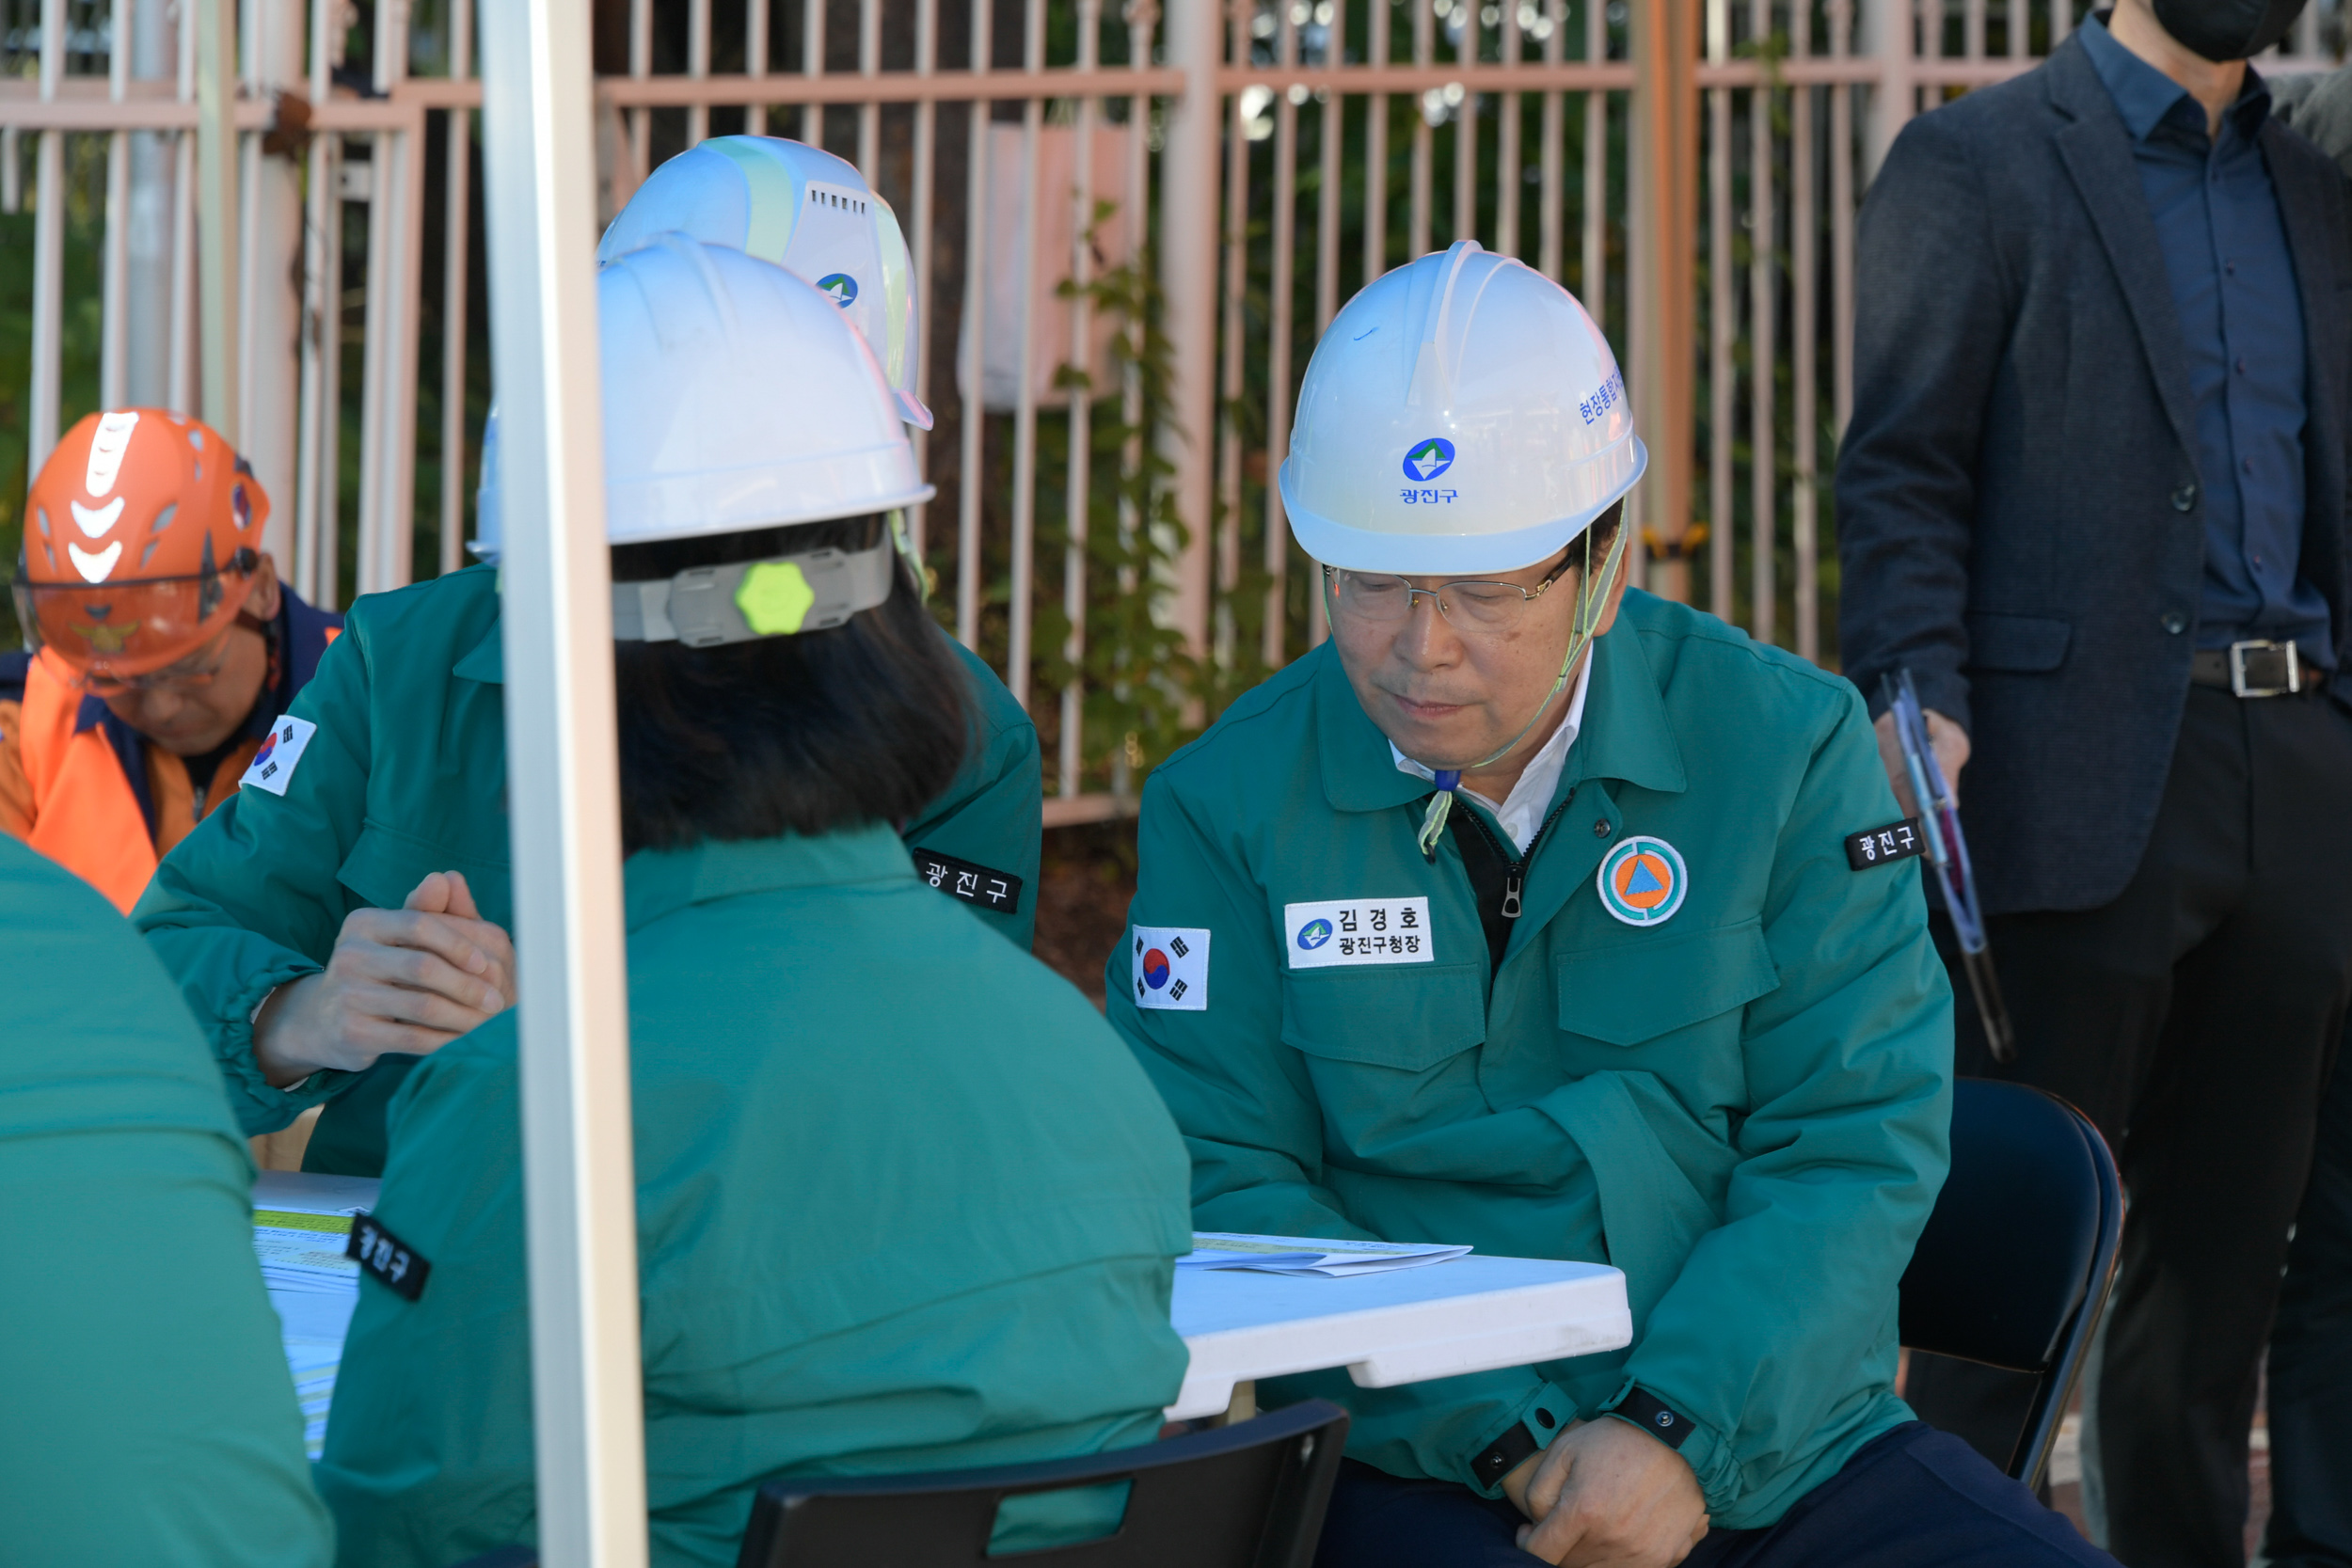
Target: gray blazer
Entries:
(2019, 518)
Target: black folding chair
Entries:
(2015, 1264)
(1247, 1496)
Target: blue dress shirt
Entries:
(2225, 250)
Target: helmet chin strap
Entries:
(1591, 595)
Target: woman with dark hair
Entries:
(904, 1203)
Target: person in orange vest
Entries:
(162, 647)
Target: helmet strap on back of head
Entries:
(1591, 594)
(704, 607)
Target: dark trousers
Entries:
(2311, 1358)
(1913, 1498)
(2193, 1018)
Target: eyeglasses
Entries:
(1488, 609)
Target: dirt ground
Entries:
(1087, 877)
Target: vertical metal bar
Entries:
(1550, 258)
(1276, 546)
(41, 426)
(1763, 301)
(1334, 134)
(456, 223)
(1333, 130)
(869, 111)
(1593, 277)
(1375, 157)
(2016, 21)
(925, 152)
(579, 1184)
(1188, 285)
(1466, 134)
(1080, 481)
(1891, 41)
(639, 121)
(1140, 16)
(400, 209)
(697, 67)
(1723, 320)
(314, 481)
(1024, 607)
(182, 372)
(1665, 172)
(1425, 52)
(1972, 30)
(1231, 350)
(756, 61)
(114, 350)
(1803, 331)
(1507, 143)
(11, 175)
(813, 66)
(1841, 218)
(216, 197)
(973, 350)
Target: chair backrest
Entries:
(1247, 1496)
(2013, 1268)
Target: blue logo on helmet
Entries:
(1315, 934)
(843, 291)
(1429, 460)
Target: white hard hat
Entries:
(1462, 414)
(807, 211)
(738, 397)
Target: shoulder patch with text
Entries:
(271, 767)
(969, 881)
(1343, 933)
(1897, 841)
(1171, 967)
(391, 1262)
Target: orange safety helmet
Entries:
(141, 538)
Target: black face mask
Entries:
(2227, 29)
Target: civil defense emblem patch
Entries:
(1642, 881)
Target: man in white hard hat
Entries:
(372, 930)
(1547, 916)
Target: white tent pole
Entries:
(539, 174)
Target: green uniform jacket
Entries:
(406, 776)
(1745, 1106)
(904, 1203)
(149, 1416)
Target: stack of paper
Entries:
(1224, 1249)
(305, 1252)
(314, 1363)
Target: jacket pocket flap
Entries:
(2023, 642)
(385, 866)
(1630, 991)
(1410, 1017)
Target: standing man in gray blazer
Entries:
(2093, 498)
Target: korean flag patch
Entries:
(1171, 967)
(271, 767)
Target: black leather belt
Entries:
(2257, 668)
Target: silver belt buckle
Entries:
(2260, 645)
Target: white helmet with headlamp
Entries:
(1462, 415)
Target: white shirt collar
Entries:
(1523, 813)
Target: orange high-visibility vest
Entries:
(89, 819)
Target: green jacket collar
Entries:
(663, 882)
(1626, 734)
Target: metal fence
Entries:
(1129, 228)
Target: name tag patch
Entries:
(972, 884)
(1171, 967)
(271, 767)
(1897, 841)
(1341, 933)
(393, 1262)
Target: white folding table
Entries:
(1473, 1314)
